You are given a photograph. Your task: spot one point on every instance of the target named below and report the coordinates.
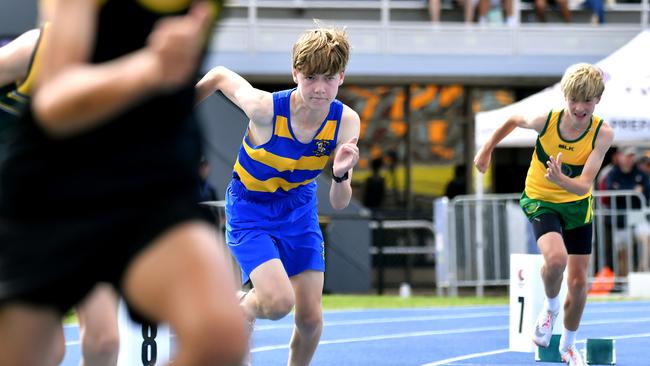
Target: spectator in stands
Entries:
(375, 186)
(642, 230)
(571, 145)
(206, 190)
(434, 11)
(503, 9)
(458, 185)
(644, 162)
(271, 204)
(391, 160)
(610, 158)
(100, 184)
(542, 5)
(625, 175)
(468, 6)
(598, 9)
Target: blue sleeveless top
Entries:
(283, 166)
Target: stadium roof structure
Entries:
(418, 52)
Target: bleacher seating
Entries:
(394, 41)
(403, 10)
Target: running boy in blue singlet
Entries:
(271, 205)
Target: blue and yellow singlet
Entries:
(283, 165)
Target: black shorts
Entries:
(57, 262)
(576, 240)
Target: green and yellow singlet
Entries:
(574, 156)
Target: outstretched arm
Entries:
(346, 156)
(583, 183)
(484, 154)
(256, 104)
(15, 56)
(74, 95)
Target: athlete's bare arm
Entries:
(256, 104)
(73, 95)
(15, 56)
(484, 154)
(345, 158)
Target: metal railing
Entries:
(380, 250)
(476, 236)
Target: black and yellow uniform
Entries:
(15, 98)
(549, 206)
(88, 203)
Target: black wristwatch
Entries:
(339, 179)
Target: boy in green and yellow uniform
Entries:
(569, 151)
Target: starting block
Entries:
(597, 351)
(550, 353)
(601, 352)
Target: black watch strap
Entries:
(339, 179)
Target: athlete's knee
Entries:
(309, 321)
(100, 348)
(277, 306)
(577, 284)
(555, 263)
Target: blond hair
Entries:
(583, 81)
(324, 50)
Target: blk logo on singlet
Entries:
(566, 147)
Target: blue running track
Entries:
(434, 336)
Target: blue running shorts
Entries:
(285, 228)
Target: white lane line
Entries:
(504, 350)
(389, 320)
(391, 336)
(436, 332)
(629, 336)
(429, 318)
(467, 357)
(614, 321)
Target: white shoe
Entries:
(572, 356)
(544, 327)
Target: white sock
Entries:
(553, 304)
(567, 339)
